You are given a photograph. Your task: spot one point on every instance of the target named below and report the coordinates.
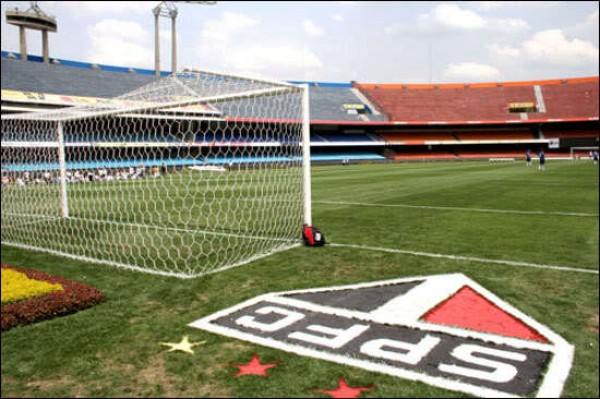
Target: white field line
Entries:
(190, 231)
(452, 208)
(465, 258)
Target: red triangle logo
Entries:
(470, 310)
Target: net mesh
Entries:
(186, 176)
(582, 152)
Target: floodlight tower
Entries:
(33, 18)
(168, 9)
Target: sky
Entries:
(333, 41)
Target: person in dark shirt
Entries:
(528, 157)
(542, 160)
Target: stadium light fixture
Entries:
(168, 9)
(32, 18)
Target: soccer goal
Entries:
(191, 174)
(582, 152)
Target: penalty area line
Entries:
(465, 258)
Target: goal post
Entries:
(62, 164)
(188, 175)
(306, 165)
(582, 152)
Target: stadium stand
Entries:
(412, 137)
(569, 98)
(329, 101)
(338, 102)
(494, 135)
(357, 121)
(345, 137)
(66, 79)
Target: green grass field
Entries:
(185, 224)
(528, 236)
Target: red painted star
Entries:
(344, 391)
(254, 367)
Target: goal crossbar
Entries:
(88, 112)
(572, 150)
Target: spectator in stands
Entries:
(542, 160)
(102, 174)
(528, 157)
(140, 172)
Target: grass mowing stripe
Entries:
(183, 230)
(454, 208)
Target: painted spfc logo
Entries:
(443, 330)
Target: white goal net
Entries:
(582, 152)
(189, 175)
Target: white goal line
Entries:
(465, 258)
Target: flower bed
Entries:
(73, 297)
(16, 286)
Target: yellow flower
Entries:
(16, 286)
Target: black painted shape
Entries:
(362, 299)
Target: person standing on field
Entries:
(528, 157)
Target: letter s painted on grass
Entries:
(502, 372)
(414, 352)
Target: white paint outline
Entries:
(553, 380)
(380, 368)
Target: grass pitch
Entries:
(529, 236)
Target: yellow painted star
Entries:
(184, 346)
